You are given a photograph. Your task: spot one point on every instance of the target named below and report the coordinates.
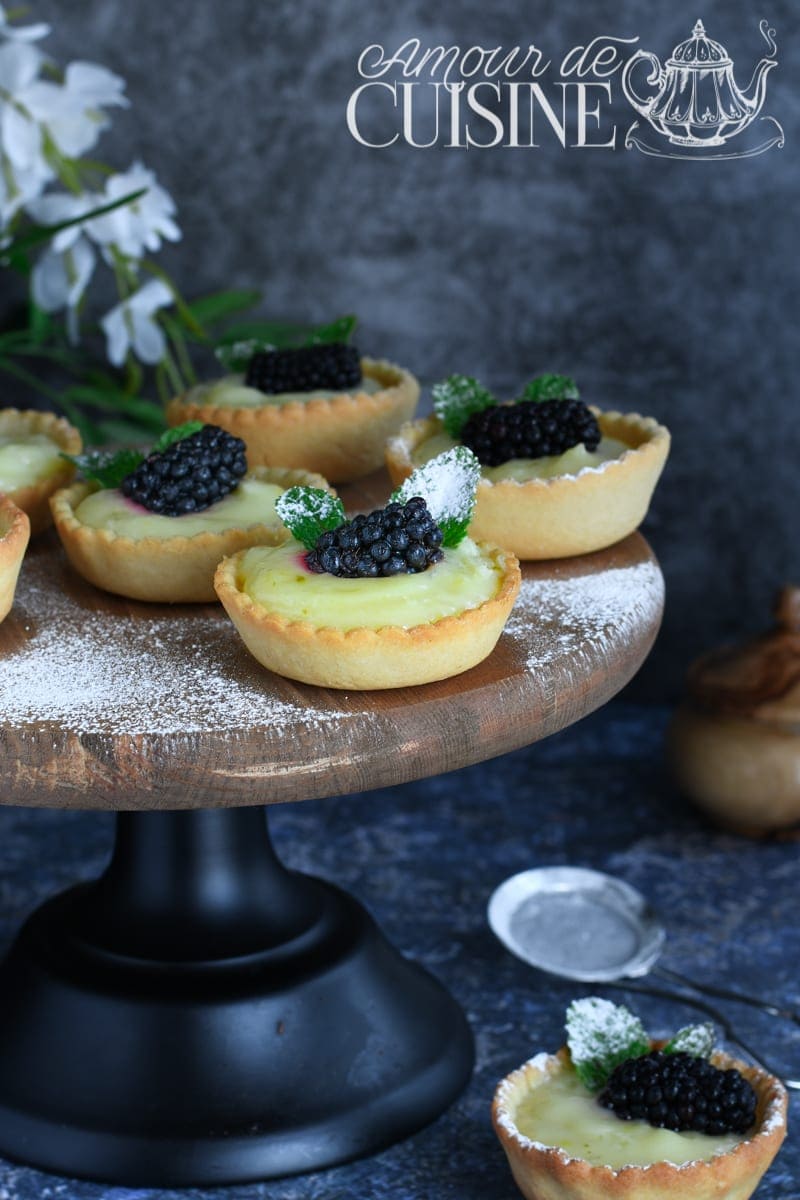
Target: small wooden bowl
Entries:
(734, 743)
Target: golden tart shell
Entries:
(342, 437)
(15, 529)
(366, 659)
(548, 1173)
(34, 499)
(177, 570)
(568, 514)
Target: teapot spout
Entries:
(754, 94)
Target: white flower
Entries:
(139, 226)
(20, 186)
(130, 325)
(20, 135)
(21, 33)
(72, 112)
(63, 271)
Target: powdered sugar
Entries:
(122, 673)
(558, 616)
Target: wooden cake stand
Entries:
(200, 1014)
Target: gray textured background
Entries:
(668, 287)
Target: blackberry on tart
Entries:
(558, 476)
(319, 405)
(153, 527)
(617, 1115)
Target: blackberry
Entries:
(189, 475)
(529, 429)
(399, 539)
(680, 1092)
(305, 368)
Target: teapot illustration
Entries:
(697, 102)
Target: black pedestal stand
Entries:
(201, 1015)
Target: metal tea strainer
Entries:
(585, 925)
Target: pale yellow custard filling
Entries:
(231, 392)
(576, 459)
(251, 503)
(561, 1112)
(26, 459)
(277, 578)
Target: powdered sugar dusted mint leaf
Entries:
(106, 467)
(693, 1039)
(551, 387)
(456, 399)
(600, 1035)
(308, 512)
(447, 484)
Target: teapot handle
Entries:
(656, 76)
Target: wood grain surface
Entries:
(109, 703)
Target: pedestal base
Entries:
(200, 1015)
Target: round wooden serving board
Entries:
(109, 703)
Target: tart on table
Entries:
(392, 598)
(615, 1115)
(32, 466)
(15, 530)
(319, 407)
(558, 477)
(154, 527)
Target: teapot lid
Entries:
(699, 51)
(760, 678)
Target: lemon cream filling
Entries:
(576, 459)
(561, 1112)
(251, 503)
(277, 578)
(232, 392)
(27, 459)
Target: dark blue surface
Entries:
(425, 858)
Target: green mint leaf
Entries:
(455, 400)
(340, 330)
(693, 1039)
(447, 484)
(308, 512)
(106, 467)
(551, 387)
(176, 434)
(600, 1035)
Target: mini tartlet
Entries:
(395, 598)
(174, 569)
(554, 506)
(389, 656)
(30, 484)
(546, 1172)
(15, 531)
(340, 435)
